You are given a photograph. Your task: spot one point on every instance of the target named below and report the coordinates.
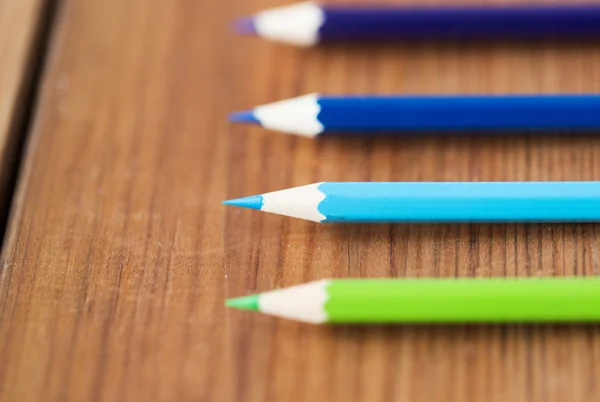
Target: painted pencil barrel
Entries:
(460, 202)
(453, 113)
(463, 300)
(343, 23)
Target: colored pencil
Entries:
(453, 300)
(307, 24)
(433, 202)
(315, 115)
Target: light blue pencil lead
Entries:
(252, 202)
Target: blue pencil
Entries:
(314, 115)
(434, 202)
(307, 24)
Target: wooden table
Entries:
(118, 254)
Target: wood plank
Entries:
(119, 254)
(21, 23)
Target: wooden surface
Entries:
(21, 23)
(119, 254)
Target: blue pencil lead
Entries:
(246, 116)
(252, 202)
(244, 26)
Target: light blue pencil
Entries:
(434, 202)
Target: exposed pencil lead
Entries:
(252, 202)
(243, 303)
(244, 26)
(246, 116)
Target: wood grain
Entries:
(119, 254)
(21, 23)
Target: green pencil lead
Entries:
(244, 303)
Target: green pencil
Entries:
(433, 301)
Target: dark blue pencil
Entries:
(306, 24)
(314, 115)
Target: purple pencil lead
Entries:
(244, 26)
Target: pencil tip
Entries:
(244, 26)
(252, 202)
(246, 116)
(243, 303)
